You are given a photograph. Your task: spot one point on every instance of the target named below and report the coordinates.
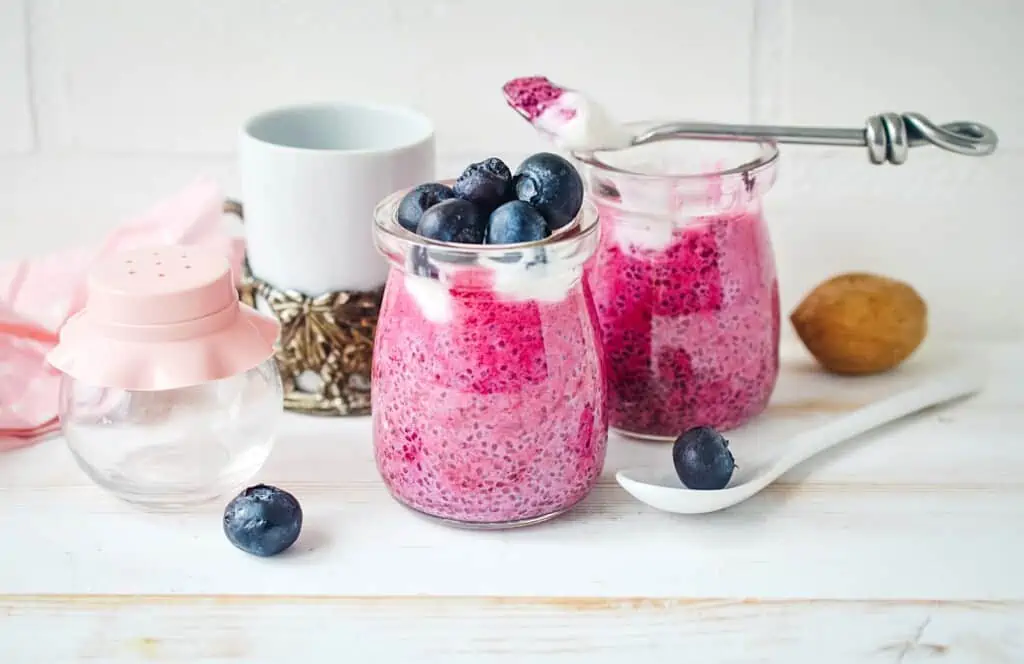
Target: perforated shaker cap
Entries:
(160, 318)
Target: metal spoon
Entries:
(664, 491)
(887, 136)
(568, 116)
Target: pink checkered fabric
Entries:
(38, 295)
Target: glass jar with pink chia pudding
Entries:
(489, 387)
(684, 283)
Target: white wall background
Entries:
(108, 105)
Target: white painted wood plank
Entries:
(920, 511)
(832, 544)
(423, 630)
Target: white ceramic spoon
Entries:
(663, 489)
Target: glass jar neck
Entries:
(480, 266)
(681, 178)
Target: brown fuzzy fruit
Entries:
(860, 323)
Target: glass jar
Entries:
(167, 449)
(684, 283)
(488, 392)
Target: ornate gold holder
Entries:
(325, 350)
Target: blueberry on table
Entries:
(516, 222)
(549, 183)
(418, 200)
(454, 220)
(487, 184)
(702, 459)
(263, 520)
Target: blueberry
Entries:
(454, 220)
(550, 184)
(263, 520)
(487, 183)
(516, 222)
(418, 200)
(702, 459)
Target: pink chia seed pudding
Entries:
(687, 298)
(489, 390)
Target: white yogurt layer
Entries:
(651, 231)
(576, 122)
(650, 235)
(518, 283)
(431, 297)
(651, 214)
(515, 282)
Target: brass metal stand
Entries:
(325, 350)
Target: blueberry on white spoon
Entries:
(703, 461)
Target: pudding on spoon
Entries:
(572, 121)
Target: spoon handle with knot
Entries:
(888, 137)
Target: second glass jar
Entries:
(489, 389)
(685, 283)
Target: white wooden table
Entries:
(905, 546)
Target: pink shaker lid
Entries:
(159, 318)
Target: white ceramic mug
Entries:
(311, 177)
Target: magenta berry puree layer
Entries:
(531, 94)
(690, 324)
(493, 413)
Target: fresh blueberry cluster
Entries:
(488, 204)
(702, 459)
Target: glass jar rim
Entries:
(768, 155)
(583, 225)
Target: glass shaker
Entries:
(684, 283)
(170, 395)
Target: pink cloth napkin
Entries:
(38, 295)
